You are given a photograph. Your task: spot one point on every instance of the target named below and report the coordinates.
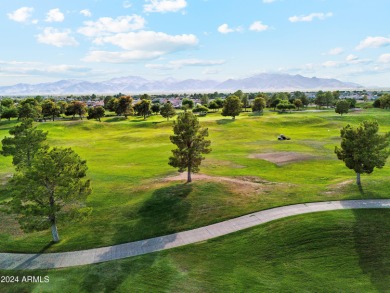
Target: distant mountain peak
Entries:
(137, 84)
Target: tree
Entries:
(342, 107)
(219, 102)
(187, 104)
(274, 103)
(52, 185)
(7, 102)
(200, 109)
(352, 103)
(25, 143)
(298, 103)
(62, 106)
(213, 106)
(123, 106)
(155, 108)
(96, 113)
(385, 101)
(258, 104)
(167, 110)
(329, 99)
(191, 144)
(245, 102)
(320, 99)
(80, 108)
(232, 106)
(49, 108)
(143, 107)
(76, 108)
(204, 100)
(285, 105)
(8, 113)
(362, 149)
(29, 109)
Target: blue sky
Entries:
(95, 40)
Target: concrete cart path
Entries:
(19, 261)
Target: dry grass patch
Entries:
(282, 158)
(242, 185)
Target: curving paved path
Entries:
(18, 261)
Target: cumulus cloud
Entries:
(351, 57)
(149, 40)
(225, 29)
(121, 57)
(107, 25)
(329, 64)
(22, 14)
(54, 15)
(164, 5)
(373, 42)
(143, 45)
(55, 37)
(86, 12)
(310, 17)
(335, 51)
(177, 64)
(34, 68)
(257, 26)
(384, 58)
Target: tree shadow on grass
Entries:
(166, 208)
(225, 121)
(115, 119)
(372, 238)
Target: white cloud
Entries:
(373, 42)
(330, 64)
(121, 57)
(36, 68)
(55, 37)
(86, 12)
(225, 29)
(54, 15)
(22, 14)
(126, 4)
(149, 40)
(310, 17)
(164, 5)
(351, 57)
(257, 26)
(268, 1)
(384, 58)
(143, 45)
(107, 25)
(177, 64)
(335, 51)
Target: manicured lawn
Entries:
(127, 162)
(340, 251)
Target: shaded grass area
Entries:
(339, 251)
(127, 159)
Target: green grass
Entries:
(339, 251)
(128, 158)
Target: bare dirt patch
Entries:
(282, 158)
(243, 185)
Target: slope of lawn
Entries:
(127, 162)
(340, 251)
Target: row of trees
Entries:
(48, 183)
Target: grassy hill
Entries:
(132, 199)
(340, 251)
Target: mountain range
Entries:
(136, 84)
